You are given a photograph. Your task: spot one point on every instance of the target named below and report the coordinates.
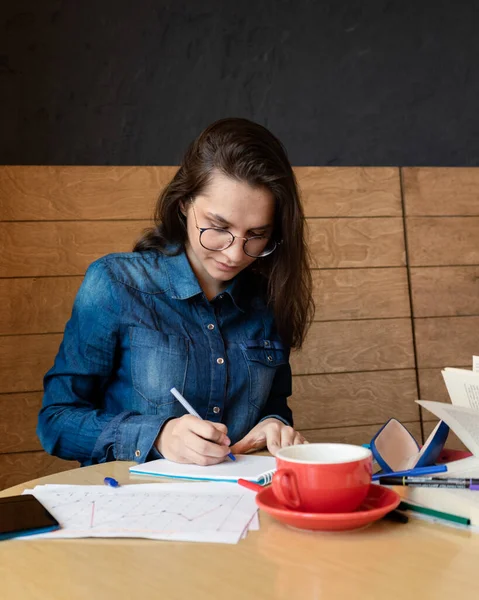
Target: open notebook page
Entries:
(246, 466)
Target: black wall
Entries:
(341, 82)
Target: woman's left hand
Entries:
(272, 433)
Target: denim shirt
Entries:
(140, 325)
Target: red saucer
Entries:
(379, 501)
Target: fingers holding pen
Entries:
(189, 439)
(207, 440)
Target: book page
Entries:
(463, 387)
(465, 467)
(475, 364)
(463, 421)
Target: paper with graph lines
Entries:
(196, 512)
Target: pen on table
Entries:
(412, 472)
(439, 514)
(433, 482)
(184, 402)
(111, 482)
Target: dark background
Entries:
(341, 82)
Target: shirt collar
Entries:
(184, 284)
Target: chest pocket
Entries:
(263, 357)
(158, 363)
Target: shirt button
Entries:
(266, 344)
(270, 358)
(137, 453)
(216, 409)
(220, 361)
(221, 296)
(211, 326)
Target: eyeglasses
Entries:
(217, 239)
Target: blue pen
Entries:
(182, 400)
(111, 482)
(419, 471)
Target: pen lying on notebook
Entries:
(184, 402)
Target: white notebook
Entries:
(259, 469)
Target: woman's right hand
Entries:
(191, 440)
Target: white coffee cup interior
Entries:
(323, 453)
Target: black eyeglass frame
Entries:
(233, 238)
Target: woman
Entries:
(210, 301)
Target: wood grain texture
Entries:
(444, 191)
(61, 248)
(87, 192)
(31, 305)
(361, 434)
(417, 560)
(342, 294)
(20, 467)
(24, 360)
(445, 291)
(350, 191)
(67, 248)
(436, 241)
(56, 193)
(432, 386)
(19, 421)
(336, 346)
(347, 399)
(447, 341)
(374, 242)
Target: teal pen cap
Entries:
(111, 482)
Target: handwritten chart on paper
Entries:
(188, 512)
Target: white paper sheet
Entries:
(196, 512)
(463, 421)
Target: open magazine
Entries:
(462, 415)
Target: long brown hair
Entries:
(247, 152)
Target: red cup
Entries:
(326, 478)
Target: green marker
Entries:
(434, 513)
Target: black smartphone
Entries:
(24, 515)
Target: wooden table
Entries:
(384, 561)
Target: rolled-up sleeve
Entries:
(72, 422)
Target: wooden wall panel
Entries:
(23, 466)
(57, 193)
(435, 241)
(432, 386)
(19, 421)
(442, 208)
(446, 342)
(342, 243)
(342, 294)
(338, 346)
(350, 191)
(445, 291)
(36, 305)
(361, 434)
(433, 191)
(357, 368)
(347, 399)
(61, 248)
(24, 360)
(75, 193)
